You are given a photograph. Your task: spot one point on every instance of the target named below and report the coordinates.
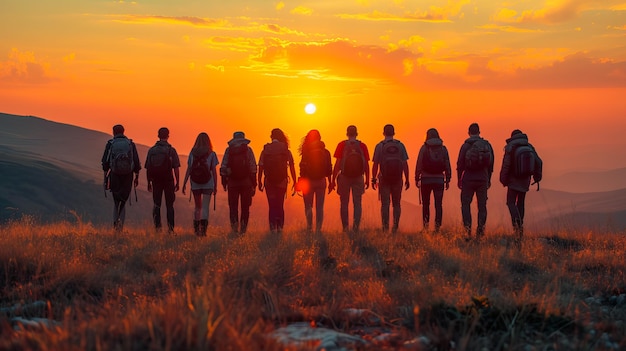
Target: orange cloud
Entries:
(23, 66)
(407, 17)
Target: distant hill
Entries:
(588, 181)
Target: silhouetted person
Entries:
(432, 175)
(474, 169)
(315, 169)
(162, 170)
(392, 157)
(272, 176)
(238, 171)
(119, 162)
(520, 163)
(201, 166)
(352, 162)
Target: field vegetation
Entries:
(89, 288)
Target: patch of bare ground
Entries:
(77, 287)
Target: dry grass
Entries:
(147, 291)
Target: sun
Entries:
(310, 108)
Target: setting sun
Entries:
(310, 108)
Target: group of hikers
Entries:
(350, 176)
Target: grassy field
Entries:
(98, 290)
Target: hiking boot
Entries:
(204, 224)
(196, 227)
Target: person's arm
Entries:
(375, 161)
(506, 167)
(260, 173)
(460, 166)
(407, 184)
(105, 158)
(292, 169)
(189, 163)
(419, 166)
(148, 175)
(137, 164)
(367, 166)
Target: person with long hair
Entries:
(201, 166)
(272, 176)
(432, 175)
(315, 169)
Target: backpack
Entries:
(478, 156)
(434, 160)
(238, 164)
(121, 156)
(315, 162)
(160, 163)
(353, 161)
(524, 162)
(391, 163)
(200, 172)
(274, 164)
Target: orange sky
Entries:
(555, 69)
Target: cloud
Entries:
(556, 11)
(184, 20)
(23, 66)
(280, 5)
(301, 10)
(453, 9)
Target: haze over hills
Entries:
(52, 171)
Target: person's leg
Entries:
(426, 190)
(438, 196)
(308, 207)
(246, 202)
(157, 198)
(204, 215)
(521, 199)
(358, 188)
(170, 196)
(320, 195)
(233, 207)
(280, 209)
(467, 194)
(197, 202)
(481, 199)
(384, 192)
(396, 198)
(343, 189)
(274, 200)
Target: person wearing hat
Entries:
(201, 165)
(352, 163)
(119, 179)
(392, 157)
(162, 170)
(432, 175)
(238, 172)
(474, 168)
(519, 164)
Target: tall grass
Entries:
(142, 290)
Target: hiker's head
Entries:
(388, 130)
(473, 129)
(278, 134)
(515, 132)
(202, 144)
(118, 129)
(351, 131)
(312, 135)
(239, 135)
(432, 133)
(164, 133)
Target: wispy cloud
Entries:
(184, 20)
(556, 11)
(407, 17)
